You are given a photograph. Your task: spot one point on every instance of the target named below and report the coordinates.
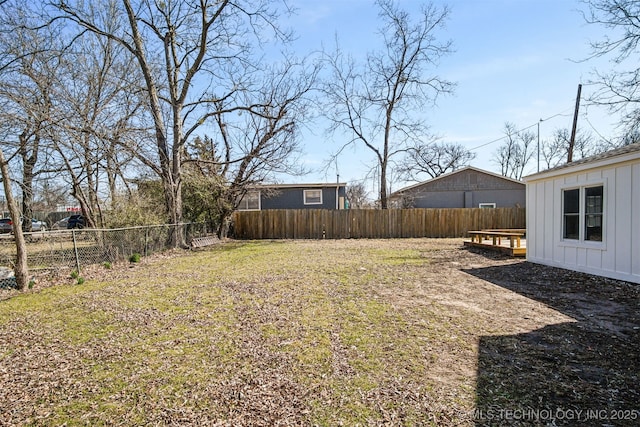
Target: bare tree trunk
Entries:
(170, 175)
(29, 160)
(27, 196)
(383, 186)
(21, 268)
(225, 223)
(111, 176)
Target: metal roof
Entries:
(601, 157)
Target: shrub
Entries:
(134, 257)
(138, 208)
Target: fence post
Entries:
(146, 241)
(75, 250)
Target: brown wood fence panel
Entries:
(371, 223)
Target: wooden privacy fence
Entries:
(370, 223)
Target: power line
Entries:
(586, 118)
(523, 129)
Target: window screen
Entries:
(250, 201)
(312, 197)
(593, 213)
(571, 214)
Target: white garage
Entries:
(585, 215)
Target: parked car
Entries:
(76, 221)
(38, 225)
(60, 225)
(6, 225)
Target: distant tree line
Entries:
(522, 152)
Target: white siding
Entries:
(618, 255)
(547, 191)
(611, 212)
(557, 251)
(622, 259)
(634, 235)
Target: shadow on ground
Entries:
(577, 373)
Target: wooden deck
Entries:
(511, 242)
(503, 247)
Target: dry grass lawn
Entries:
(352, 332)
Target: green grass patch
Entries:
(223, 333)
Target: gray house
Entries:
(468, 187)
(295, 196)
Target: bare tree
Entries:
(632, 137)
(380, 103)
(7, 142)
(554, 151)
(252, 147)
(193, 56)
(618, 87)
(96, 103)
(67, 106)
(9, 128)
(21, 268)
(358, 196)
(434, 159)
(516, 152)
(25, 92)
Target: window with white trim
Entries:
(250, 202)
(487, 205)
(583, 213)
(593, 213)
(312, 197)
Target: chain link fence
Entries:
(81, 247)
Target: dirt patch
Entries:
(352, 332)
(583, 371)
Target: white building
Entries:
(585, 215)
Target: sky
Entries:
(514, 61)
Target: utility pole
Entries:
(539, 121)
(337, 185)
(575, 124)
(337, 190)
